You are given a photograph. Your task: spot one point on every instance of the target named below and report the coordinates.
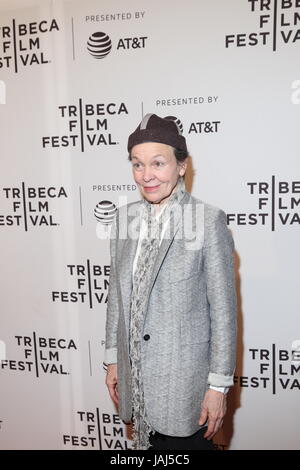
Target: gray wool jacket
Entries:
(189, 334)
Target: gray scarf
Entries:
(141, 279)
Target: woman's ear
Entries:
(183, 166)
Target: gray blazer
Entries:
(190, 319)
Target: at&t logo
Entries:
(99, 44)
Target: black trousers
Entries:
(195, 442)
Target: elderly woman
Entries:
(171, 313)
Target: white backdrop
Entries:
(75, 80)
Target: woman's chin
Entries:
(151, 197)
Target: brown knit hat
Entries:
(156, 129)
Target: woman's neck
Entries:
(161, 205)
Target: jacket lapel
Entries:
(176, 217)
(128, 251)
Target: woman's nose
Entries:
(148, 173)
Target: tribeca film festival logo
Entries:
(276, 368)
(277, 204)
(99, 431)
(21, 44)
(40, 355)
(31, 206)
(278, 23)
(91, 285)
(87, 125)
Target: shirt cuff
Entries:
(218, 380)
(220, 389)
(110, 356)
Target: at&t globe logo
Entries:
(99, 45)
(105, 212)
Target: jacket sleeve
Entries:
(221, 295)
(112, 312)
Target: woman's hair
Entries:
(180, 155)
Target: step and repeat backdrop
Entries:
(75, 80)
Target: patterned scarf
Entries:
(141, 279)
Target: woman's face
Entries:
(155, 170)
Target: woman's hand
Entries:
(112, 382)
(213, 409)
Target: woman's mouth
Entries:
(149, 189)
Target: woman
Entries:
(171, 313)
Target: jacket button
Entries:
(146, 337)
